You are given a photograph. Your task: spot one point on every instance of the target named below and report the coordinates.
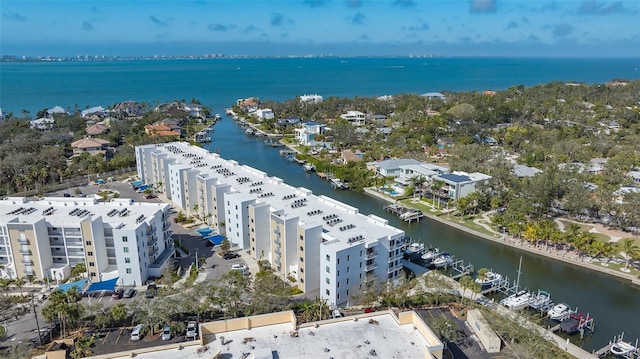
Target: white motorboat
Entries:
(337, 183)
(540, 301)
(430, 254)
(560, 312)
(309, 167)
(622, 348)
(249, 131)
(516, 301)
(414, 247)
(218, 117)
(490, 279)
(443, 260)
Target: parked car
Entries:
(117, 294)
(151, 291)
(151, 196)
(166, 332)
(136, 334)
(230, 255)
(240, 267)
(192, 329)
(128, 293)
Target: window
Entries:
(301, 259)
(328, 258)
(88, 243)
(337, 273)
(328, 269)
(125, 239)
(128, 270)
(327, 292)
(91, 264)
(93, 274)
(347, 282)
(338, 294)
(301, 270)
(301, 280)
(338, 285)
(126, 249)
(360, 253)
(301, 237)
(338, 261)
(301, 249)
(348, 256)
(347, 269)
(127, 260)
(327, 280)
(360, 264)
(89, 253)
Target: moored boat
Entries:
(516, 301)
(490, 279)
(217, 117)
(443, 260)
(560, 312)
(414, 248)
(430, 254)
(309, 167)
(622, 348)
(249, 131)
(337, 183)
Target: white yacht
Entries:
(490, 279)
(442, 261)
(430, 254)
(517, 301)
(560, 312)
(414, 247)
(309, 167)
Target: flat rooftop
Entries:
(68, 212)
(377, 335)
(339, 220)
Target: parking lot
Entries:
(118, 340)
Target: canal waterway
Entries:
(613, 302)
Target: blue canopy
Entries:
(77, 284)
(137, 183)
(105, 285)
(205, 231)
(215, 239)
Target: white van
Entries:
(136, 334)
(240, 267)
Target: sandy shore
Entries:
(518, 244)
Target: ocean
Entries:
(218, 83)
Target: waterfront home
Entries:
(355, 117)
(94, 112)
(248, 104)
(264, 114)
(459, 184)
(172, 123)
(306, 134)
(57, 110)
(93, 146)
(194, 110)
(128, 109)
(289, 121)
(97, 129)
(521, 171)
(315, 98)
(424, 170)
(391, 168)
(349, 156)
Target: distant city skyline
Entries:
(321, 27)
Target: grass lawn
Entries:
(422, 205)
(583, 227)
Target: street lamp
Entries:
(196, 261)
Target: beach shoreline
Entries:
(518, 244)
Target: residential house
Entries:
(311, 98)
(57, 110)
(423, 169)
(173, 124)
(177, 113)
(160, 131)
(194, 110)
(264, 114)
(306, 134)
(434, 95)
(97, 129)
(349, 156)
(378, 119)
(248, 104)
(129, 109)
(355, 117)
(93, 146)
(459, 184)
(521, 171)
(596, 165)
(289, 121)
(635, 175)
(42, 124)
(96, 112)
(391, 168)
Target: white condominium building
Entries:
(44, 239)
(327, 246)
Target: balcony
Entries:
(371, 255)
(25, 251)
(371, 267)
(74, 243)
(277, 241)
(29, 271)
(278, 253)
(74, 253)
(23, 241)
(153, 251)
(393, 268)
(25, 261)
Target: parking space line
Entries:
(105, 337)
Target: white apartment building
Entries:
(327, 246)
(121, 238)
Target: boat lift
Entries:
(606, 350)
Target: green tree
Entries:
(631, 250)
(82, 347)
(225, 246)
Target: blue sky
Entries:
(338, 27)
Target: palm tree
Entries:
(630, 249)
(465, 282)
(81, 347)
(19, 283)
